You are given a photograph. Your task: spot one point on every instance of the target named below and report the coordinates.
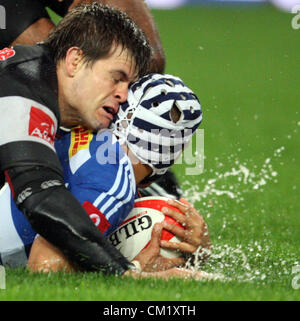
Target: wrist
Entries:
(135, 266)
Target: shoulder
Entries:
(29, 72)
(23, 57)
(83, 145)
(87, 156)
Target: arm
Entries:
(44, 257)
(54, 213)
(36, 32)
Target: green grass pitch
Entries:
(244, 65)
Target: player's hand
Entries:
(195, 234)
(150, 258)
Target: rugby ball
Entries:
(134, 234)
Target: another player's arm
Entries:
(36, 32)
(44, 257)
(54, 213)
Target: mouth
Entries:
(110, 111)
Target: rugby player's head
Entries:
(158, 121)
(97, 30)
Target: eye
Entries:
(116, 77)
(116, 80)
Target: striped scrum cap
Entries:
(158, 120)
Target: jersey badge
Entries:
(96, 216)
(41, 125)
(6, 53)
(80, 139)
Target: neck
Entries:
(69, 117)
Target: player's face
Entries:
(99, 89)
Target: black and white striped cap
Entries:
(145, 122)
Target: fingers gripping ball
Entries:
(134, 234)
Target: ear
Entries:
(73, 60)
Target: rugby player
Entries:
(103, 175)
(79, 76)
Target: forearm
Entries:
(36, 32)
(61, 220)
(35, 25)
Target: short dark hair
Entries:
(95, 29)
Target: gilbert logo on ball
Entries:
(134, 234)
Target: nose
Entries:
(121, 92)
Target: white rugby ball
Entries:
(134, 234)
